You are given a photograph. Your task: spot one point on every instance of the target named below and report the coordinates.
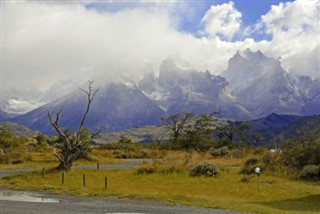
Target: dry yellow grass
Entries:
(278, 194)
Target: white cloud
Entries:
(47, 44)
(295, 30)
(222, 19)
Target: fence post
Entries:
(98, 166)
(84, 180)
(105, 182)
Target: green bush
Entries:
(223, 151)
(251, 164)
(272, 161)
(251, 161)
(310, 172)
(204, 169)
(11, 147)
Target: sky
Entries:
(49, 48)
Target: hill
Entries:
(18, 130)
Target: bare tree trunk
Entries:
(71, 146)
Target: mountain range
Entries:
(253, 86)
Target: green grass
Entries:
(278, 194)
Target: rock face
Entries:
(253, 86)
(181, 88)
(262, 86)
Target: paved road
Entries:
(24, 202)
(49, 204)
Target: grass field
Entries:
(277, 195)
(47, 160)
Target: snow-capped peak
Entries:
(252, 56)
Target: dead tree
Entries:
(71, 147)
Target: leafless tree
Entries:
(176, 124)
(74, 146)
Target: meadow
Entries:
(229, 190)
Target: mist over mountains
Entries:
(253, 86)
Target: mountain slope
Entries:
(180, 88)
(4, 115)
(272, 126)
(262, 85)
(116, 107)
(18, 130)
(253, 86)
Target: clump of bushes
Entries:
(310, 172)
(272, 162)
(170, 164)
(250, 166)
(11, 147)
(220, 152)
(204, 169)
(146, 169)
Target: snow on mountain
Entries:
(263, 86)
(181, 88)
(253, 86)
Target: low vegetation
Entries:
(194, 164)
(226, 191)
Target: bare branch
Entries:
(55, 124)
(95, 134)
(90, 97)
(59, 158)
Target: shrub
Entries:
(272, 161)
(251, 161)
(250, 166)
(146, 169)
(223, 151)
(206, 169)
(310, 172)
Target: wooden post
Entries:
(62, 177)
(84, 180)
(43, 172)
(98, 166)
(105, 182)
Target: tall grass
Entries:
(227, 191)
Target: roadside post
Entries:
(257, 171)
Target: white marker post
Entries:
(257, 171)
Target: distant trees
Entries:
(190, 131)
(74, 145)
(176, 124)
(233, 130)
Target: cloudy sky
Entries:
(53, 46)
